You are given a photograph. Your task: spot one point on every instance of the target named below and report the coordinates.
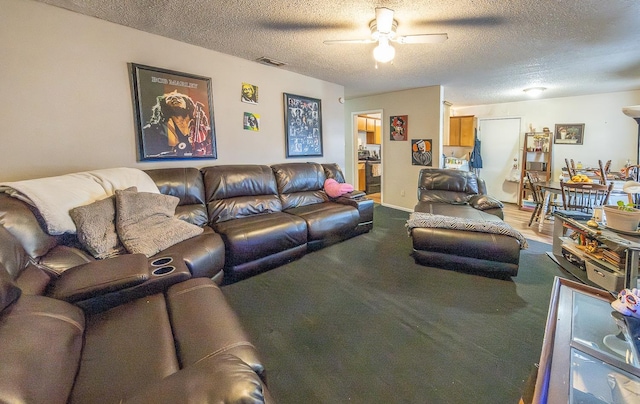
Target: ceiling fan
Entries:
(383, 31)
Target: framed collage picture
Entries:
(303, 126)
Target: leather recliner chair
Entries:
(461, 194)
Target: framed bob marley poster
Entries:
(173, 113)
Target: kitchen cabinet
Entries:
(361, 177)
(366, 124)
(373, 128)
(375, 137)
(536, 159)
(362, 124)
(461, 131)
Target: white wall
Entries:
(425, 110)
(67, 98)
(608, 133)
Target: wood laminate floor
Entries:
(519, 220)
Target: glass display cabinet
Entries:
(590, 351)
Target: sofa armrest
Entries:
(218, 379)
(357, 194)
(359, 200)
(101, 277)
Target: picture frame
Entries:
(249, 93)
(422, 152)
(251, 122)
(173, 114)
(398, 127)
(303, 126)
(568, 133)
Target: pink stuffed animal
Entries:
(628, 302)
(335, 189)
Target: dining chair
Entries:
(537, 196)
(631, 173)
(583, 196)
(603, 171)
(571, 168)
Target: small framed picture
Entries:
(399, 127)
(303, 126)
(249, 93)
(569, 133)
(421, 153)
(252, 121)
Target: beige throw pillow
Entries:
(96, 227)
(145, 222)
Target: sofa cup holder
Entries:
(161, 266)
(164, 270)
(159, 262)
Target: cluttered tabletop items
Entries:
(623, 182)
(575, 172)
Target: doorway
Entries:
(368, 157)
(500, 153)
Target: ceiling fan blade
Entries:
(340, 41)
(480, 21)
(421, 38)
(384, 19)
(303, 26)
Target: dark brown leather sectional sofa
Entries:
(158, 329)
(461, 194)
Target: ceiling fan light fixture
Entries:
(384, 52)
(534, 91)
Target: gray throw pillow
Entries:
(485, 202)
(96, 227)
(146, 223)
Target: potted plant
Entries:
(622, 217)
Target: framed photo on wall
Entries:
(399, 127)
(421, 153)
(173, 113)
(249, 93)
(569, 133)
(302, 126)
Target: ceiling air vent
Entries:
(270, 62)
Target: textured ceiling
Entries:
(495, 48)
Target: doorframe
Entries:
(518, 156)
(354, 149)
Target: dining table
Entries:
(550, 189)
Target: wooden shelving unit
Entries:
(536, 159)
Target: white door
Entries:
(500, 140)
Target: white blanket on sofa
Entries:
(421, 219)
(54, 197)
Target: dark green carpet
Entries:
(360, 322)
